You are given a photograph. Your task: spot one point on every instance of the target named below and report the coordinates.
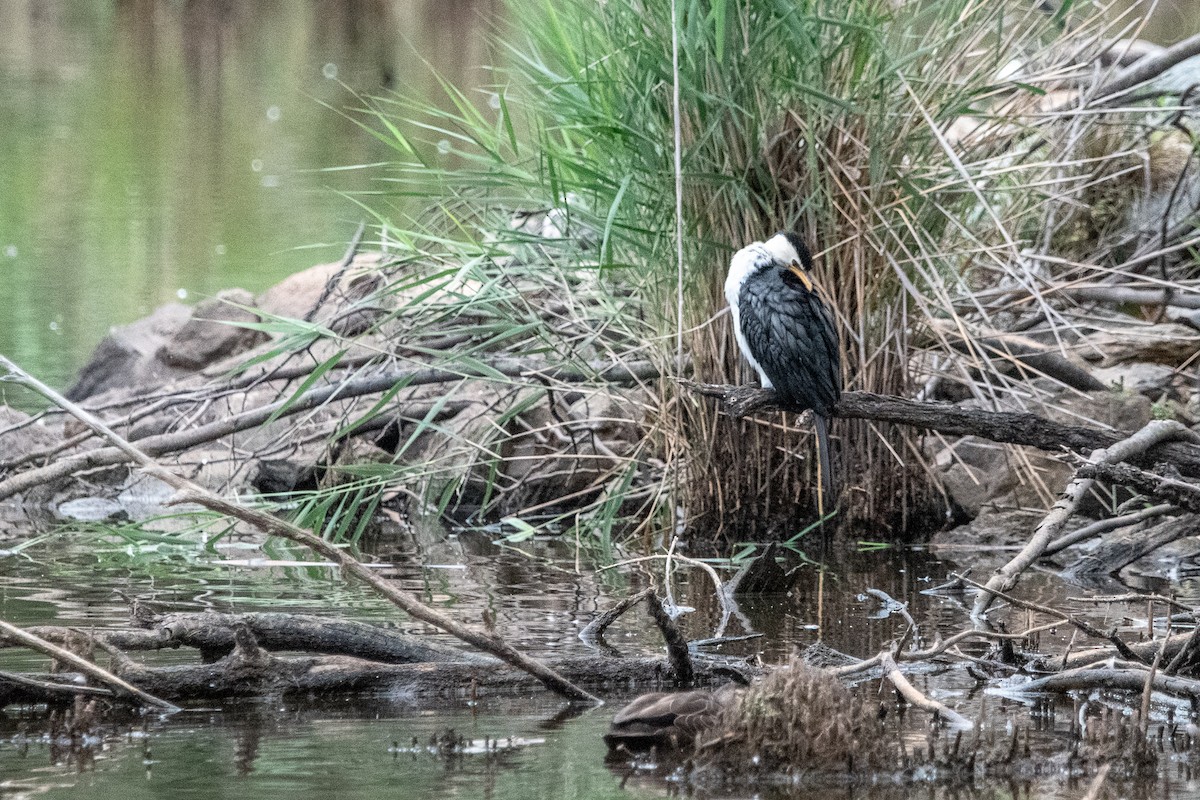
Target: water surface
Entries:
(346, 746)
(156, 150)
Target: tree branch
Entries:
(1006, 427)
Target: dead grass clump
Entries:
(798, 720)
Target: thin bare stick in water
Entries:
(916, 698)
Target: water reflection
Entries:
(155, 149)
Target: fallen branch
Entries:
(160, 444)
(1138, 652)
(256, 675)
(1022, 354)
(1129, 295)
(1105, 525)
(1178, 493)
(1051, 526)
(1120, 551)
(1147, 69)
(1129, 680)
(214, 635)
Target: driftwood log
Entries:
(212, 634)
(397, 663)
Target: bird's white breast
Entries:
(745, 262)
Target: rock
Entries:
(1152, 380)
(21, 435)
(208, 336)
(277, 475)
(978, 473)
(170, 344)
(296, 295)
(497, 444)
(1121, 411)
(126, 356)
(991, 531)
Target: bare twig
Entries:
(336, 278)
(921, 701)
(1133, 597)
(1084, 626)
(53, 687)
(1144, 713)
(1097, 784)
(728, 604)
(1106, 525)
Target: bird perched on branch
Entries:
(787, 332)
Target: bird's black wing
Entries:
(791, 333)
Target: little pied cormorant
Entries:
(786, 331)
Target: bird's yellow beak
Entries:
(798, 271)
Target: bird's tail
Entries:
(824, 466)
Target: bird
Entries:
(787, 332)
(666, 721)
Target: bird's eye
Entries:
(795, 264)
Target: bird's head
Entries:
(790, 251)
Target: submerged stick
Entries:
(189, 492)
(677, 646)
(596, 628)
